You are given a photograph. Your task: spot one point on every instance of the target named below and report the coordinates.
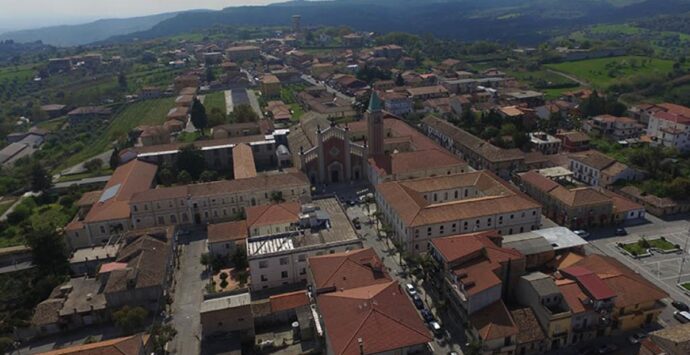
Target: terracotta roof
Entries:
(630, 287)
(243, 162)
(348, 270)
(574, 296)
(270, 79)
(591, 282)
(127, 180)
(131, 345)
(574, 136)
(494, 322)
(679, 335)
(200, 144)
(620, 203)
(90, 110)
(407, 200)
(414, 161)
(229, 231)
(290, 300)
(427, 90)
(456, 247)
(528, 326)
(263, 182)
(594, 159)
(89, 198)
(578, 197)
(266, 215)
(539, 181)
(381, 315)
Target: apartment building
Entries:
(280, 242)
(669, 126)
(618, 128)
(423, 209)
(478, 153)
(213, 202)
(597, 169)
(545, 143)
(476, 274)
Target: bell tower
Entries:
(375, 125)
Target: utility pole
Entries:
(682, 261)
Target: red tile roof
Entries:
(287, 301)
(229, 231)
(494, 322)
(591, 282)
(243, 161)
(381, 315)
(348, 270)
(265, 215)
(135, 344)
(414, 161)
(127, 180)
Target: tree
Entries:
(166, 176)
(40, 179)
(277, 197)
(239, 259)
(198, 113)
(216, 117)
(93, 165)
(191, 160)
(161, 334)
(48, 250)
(130, 319)
(210, 75)
(208, 175)
(243, 113)
(184, 177)
(114, 158)
(122, 81)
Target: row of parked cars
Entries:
(426, 314)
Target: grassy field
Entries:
(661, 244)
(215, 100)
(52, 125)
(686, 285)
(552, 84)
(634, 248)
(149, 112)
(602, 72)
(297, 112)
(23, 72)
(75, 177)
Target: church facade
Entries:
(335, 158)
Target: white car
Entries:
(411, 290)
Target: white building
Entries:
(281, 259)
(670, 127)
(597, 169)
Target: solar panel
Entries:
(109, 193)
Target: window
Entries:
(283, 261)
(135, 208)
(264, 278)
(303, 271)
(435, 197)
(488, 222)
(302, 257)
(456, 193)
(428, 232)
(184, 217)
(263, 264)
(466, 191)
(102, 230)
(284, 274)
(161, 220)
(173, 219)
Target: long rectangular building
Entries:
(214, 202)
(423, 209)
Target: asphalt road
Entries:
(191, 280)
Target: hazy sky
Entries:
(38, 13)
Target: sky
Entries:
(18, 14)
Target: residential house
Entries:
(423, 209)
(545, 143)
(597, 169)
(225, 238)
(530, 338)
(83, 113)
(231, 130)
(574, 141)
(242, 53)
(618, 128)
(674, 340)
(656, 205)
(669, 126)
(427, 92)
(228, 315)
(270, 86)
(280, 242)
(342, 283)
(397, 103)
(138, 344)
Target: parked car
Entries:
(411, 290)
(351, 202)
(621, 232)
(427, 315)
(436, 329)
(417, 301)
(607, 348)
(637, 337)
(680, 306)
(582, 233)
(682, 316)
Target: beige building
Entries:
(229, 314)
(423, 209)
(478, 153)
(273, 218)
(213, 202)
(242, 53)
(270, 86)
(225, 238)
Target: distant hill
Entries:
(522, 21)
(73, 35)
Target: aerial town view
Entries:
(345, 177)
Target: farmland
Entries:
(603, 72)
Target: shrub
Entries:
(677, 246)
(223, 284)
(644, 243)
(663, 238)
(634, 253)
(223, 276)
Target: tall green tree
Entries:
(199, 117)
(40, 178)
(130, 319)
(243, 113)
(191, 160)
(114, 158)
(48, 249)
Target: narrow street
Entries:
(188, 295)
(454, 334)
